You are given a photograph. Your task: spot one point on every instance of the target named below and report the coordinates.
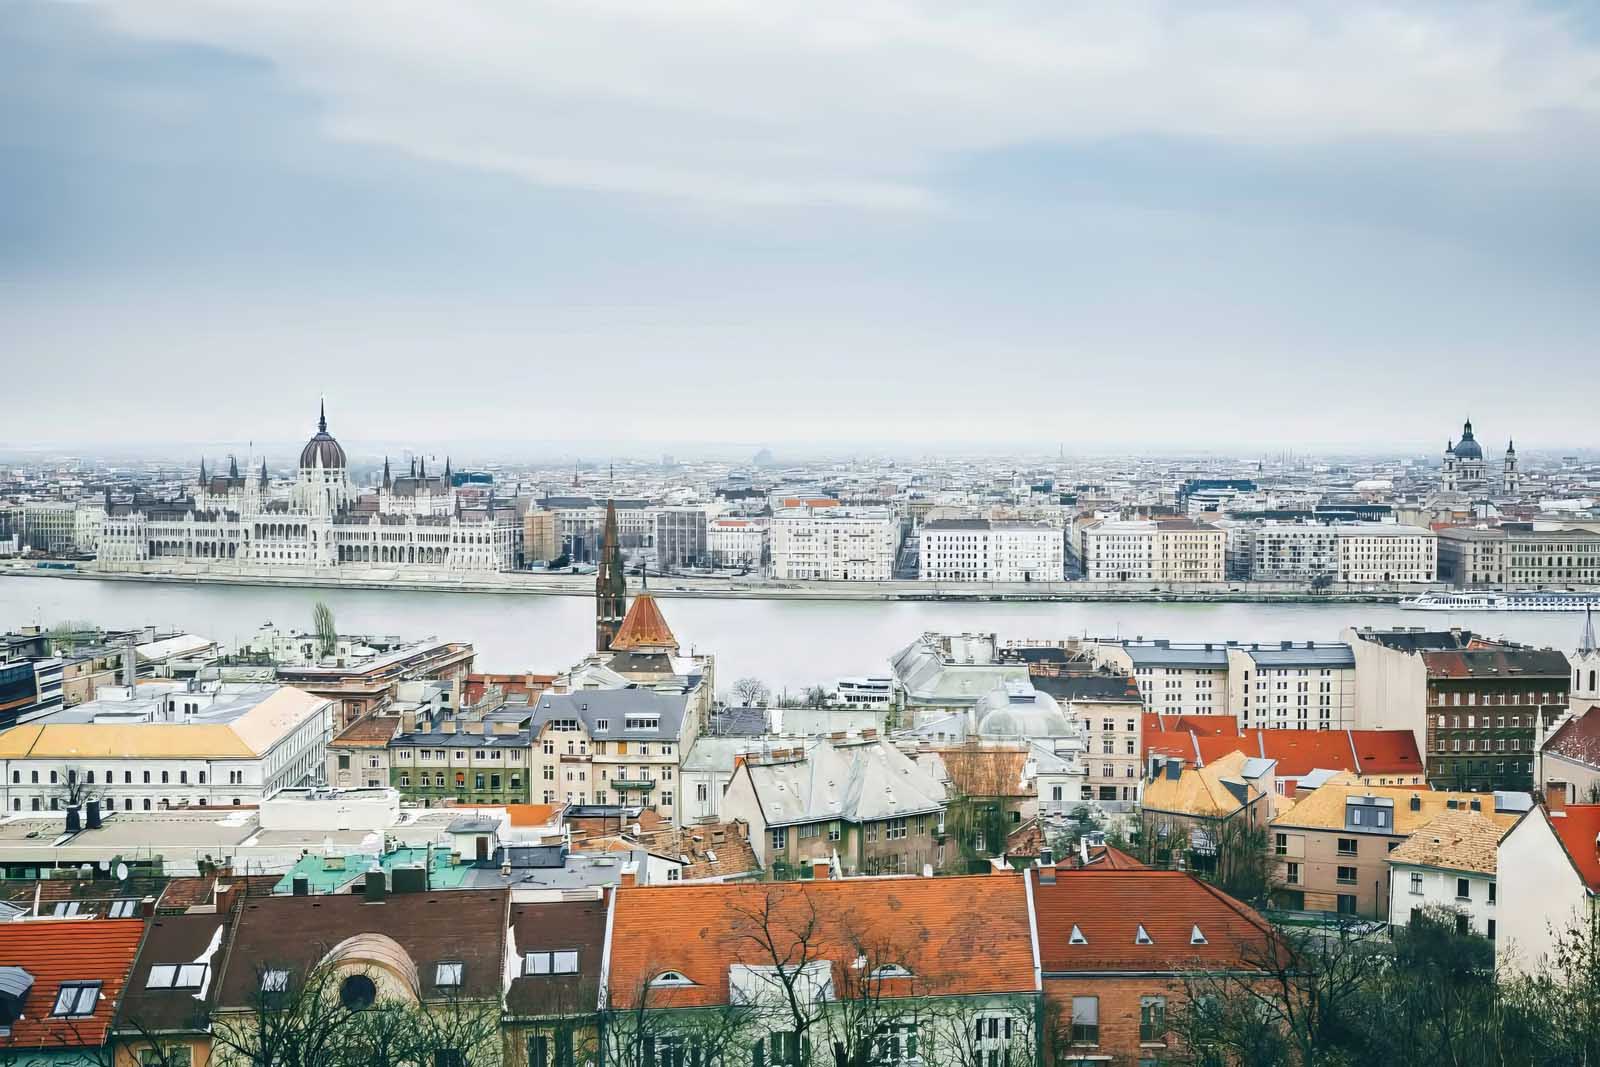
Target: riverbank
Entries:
(532, 584)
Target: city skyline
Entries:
(1142, 229)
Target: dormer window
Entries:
(1142, 938)
(890, 970)
(670, 979)
(1196, 937)
(123, 909)
(1077, 937)
(448, 974)
(76, 1000)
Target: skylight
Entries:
(1196, 937)
(1077, 937)
(670, 978)
(1142, 938)
(447, 974)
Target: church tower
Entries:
(610, 585)
(1585, 669)
(1511, 481)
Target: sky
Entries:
(1195, 226)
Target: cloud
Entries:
(866, 103)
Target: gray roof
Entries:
(928, 678)
(614, 705)
(1330, 655)
(712, 754)
(856, 781)
(438, 739)
(1171, 656)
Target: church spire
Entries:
(202, 470)
(233, 468)
(264, 478)
(1586, 646)
(322, 415)
(387, 483)
(610, 585)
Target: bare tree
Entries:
(653, 1027)
(327, 633)
(752, 692)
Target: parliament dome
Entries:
(322, 450)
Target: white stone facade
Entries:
(1154, 550)
(735, 542)
(834, 544)
(1387, 554)
(979, 550)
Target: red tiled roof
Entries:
(369, 731)
(1299, 752)
(1577, 827)
(935, 927)
(66, 951)
(1578, 739)
(1108, 906)
(644, 627)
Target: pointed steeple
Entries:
(233, 468)
(1586, 645)
(447, 472)
(202, 470)
(387, 481)
(264, 478)
(322, 415)
(610, 585)
(413, 466)
(1511, 447)
(422, 466)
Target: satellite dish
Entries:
(122, 872)
(105, 865)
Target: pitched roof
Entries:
(1203, 791)
(369, 731)
(1577, 827)
(858, 781)
(569, 925)
(1107, 907)
(465, 925)
(644, 627)
(173, 940)
(1324, 808)
(1497, 663)
(1090, 688)
(1456, 840)
(708, 850)
(1578, 739)
(94, 950)
(1299, 752)
(934, 927)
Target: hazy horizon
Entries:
(1231, 227)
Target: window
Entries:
(1152, 1020)
(1346, 875)
(161, 976)
(564, 961)
(1140, 937)
(896, 1043)
(1347, 846)
(273, 981)
(1416, 884)
(357, 992)
(1196, 937)
(123, 909)
(1085, 1020)
(1491, 892)
(780, 838)
(449, 1057)
(448, 974)
(76, 1000)
(1292, 873)
(670, 978)
(1463, 889)
(894, 829)
(833, 831)
(171, 1056)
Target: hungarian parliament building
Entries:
(241, 522)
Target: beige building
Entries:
(1109, 709)
(1518, 557)
(1387, 554)
(1332, 846)
(1289, 686)
(541, 536)
(1189, 816)
(1154, 550)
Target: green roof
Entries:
(349, 869)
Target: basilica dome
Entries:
(322, 450)
(1468, 447)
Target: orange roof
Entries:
(1299, 752)
(934, 927)
(1108, 906)
(91, 950)
(1577, 827)
(644, 628)
(523, 814)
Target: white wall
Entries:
(1539, 893)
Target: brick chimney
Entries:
(630, 875)
(821, 869)
(1555, 796)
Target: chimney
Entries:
(375, 887)
(408, 721)
(224, 894)
(130, 664)
(1047, 856)
(630, 875)
(1047, 874)
(147, 907)
(1555, 796)
(94, 814)
(74, 824)
(821, 868)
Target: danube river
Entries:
(787, 643)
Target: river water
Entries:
(787, 643)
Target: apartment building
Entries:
(1173, 679)
(1109, 708)
(485, 760)
(166, 744)
(1387, 554)
(737, 542)
(1332, 848)
(612, 746)
(834, 544)
(1154, 550)
(985, 550)
(1292, 686)
(1292, 552)
(680, 536)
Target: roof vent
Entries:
(1142, 938)
(1195, 936)
(1077, 937)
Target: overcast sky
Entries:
(1198, 225)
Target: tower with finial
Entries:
(610, 585)
(1586, 667)
(1511, 479)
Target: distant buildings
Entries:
(737, 542)
(1518, 555)
(834, 544)
(983, 550)
(1154, 550)
(1383, 554)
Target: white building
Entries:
(1549, 880)
(1154, 550)
(865, 692)
(1289, 686)
(1292, 551)
(1448, 863)
(163, 745)
(983, 550)
(834, 544)
(238, 522)
(1388, 554)
(737, 542)
(1173, 679)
